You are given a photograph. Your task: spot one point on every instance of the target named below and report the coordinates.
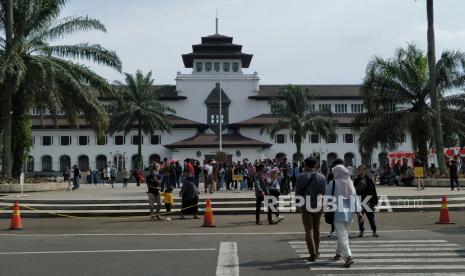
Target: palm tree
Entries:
(8, 25)
(44, 75)
(295, 114)
(396, 92)
(437, 130)
(138, 105)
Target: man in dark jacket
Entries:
(364, 187)
(454, 175)
(260, 191)
(153, 185)
(311, 185)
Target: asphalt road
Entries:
(410, 243)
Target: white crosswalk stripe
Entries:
(380, 257)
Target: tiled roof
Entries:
(214, 96)
(211, 141)
(270, 119)
(351, 91)
(61, 122)
(167, 93)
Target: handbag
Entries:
(329, 216)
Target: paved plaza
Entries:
(409, 243)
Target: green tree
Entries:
(138, 106)
(396, 92)
(44, 75)
(295, 112)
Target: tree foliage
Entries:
(295, 112)
(397, 99)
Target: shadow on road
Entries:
(287, 264)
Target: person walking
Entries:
(125, 177)
(343, 190)
(71, 180)
(136, 174)
(273, 196)
(66, 174)
(365, 186)
(260, 191)
(311, 185)
(178, 169)
(329, 179)
(76, 177)
(454, 175)
(209, 177)
(197, 171)
(112, 176)
(153, 190)
(106, 175)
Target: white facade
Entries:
(197, 86)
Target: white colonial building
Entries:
(217, 65)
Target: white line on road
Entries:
(107, 251)
(395, 254)
(377, 241)
(403, 274)
(391, 267)
(228, 260)
(386, 249)
(367, 245)
(383, 260)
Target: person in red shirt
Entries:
(189, 169)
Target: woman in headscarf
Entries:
(344, 191)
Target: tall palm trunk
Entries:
(19, 133)
(139, 146)
(7, 94)
(298, 145)
(438, 134)
(423, 151)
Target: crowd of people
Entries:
(403, 174)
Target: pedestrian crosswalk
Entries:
(385, 257)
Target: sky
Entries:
(293, 41)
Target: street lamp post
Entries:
(220, 131)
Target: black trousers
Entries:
(192, 203)
(371, 220)
(454, 180)
(258, 207)
(273, 194)
(168, 207)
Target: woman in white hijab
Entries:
(345, 194)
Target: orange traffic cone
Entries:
(208, 220)
(444, 214)
(16, 218)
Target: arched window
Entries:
(134, 161)
(30, 164)
(65, 162)
(47, 163)
(100, 162)
(83, 163)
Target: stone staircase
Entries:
(221, 205)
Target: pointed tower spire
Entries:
(216, 21)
